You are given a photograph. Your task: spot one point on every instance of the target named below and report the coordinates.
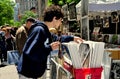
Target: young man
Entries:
(39, 44)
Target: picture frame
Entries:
(72, 11)
(85, 28)
(105, 22)
(84, 7)
(114, 17)
(96, 30)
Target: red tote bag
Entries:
(88, 73)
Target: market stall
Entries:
(104, 22)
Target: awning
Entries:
(101, 6)
(104, 7)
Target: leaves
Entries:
(61, 2)
(26, 15)
(6, 11)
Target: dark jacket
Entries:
(34, 58)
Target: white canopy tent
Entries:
(104, 7)
(99, 8)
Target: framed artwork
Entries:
(85, 28)
(98, 19)
(105, 22)
(84, 7)
(65, 10)
(72, 11)
(114, 17)
(96, 29)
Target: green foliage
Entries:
(17, 24)
(114, 39)
(61, 2)
(6, 12)
(26, 15)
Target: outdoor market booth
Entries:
(103, 24)
(100, 22)
(98, 56)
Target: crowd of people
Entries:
(35, 42)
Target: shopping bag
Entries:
(13, 57)
(88, 73)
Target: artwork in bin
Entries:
(114, 17)
(84, 54)
(118, 39)
(115, 69)
(106, 38)
(106, 22)
(99, 38)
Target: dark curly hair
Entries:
(51, 12)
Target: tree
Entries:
(26, 15)
(62, 2)
(6, 12)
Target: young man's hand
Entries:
(78, 39)
(55, 45)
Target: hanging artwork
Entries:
(98, 21)
(105, 22)
(84, 7)
(114, 17)
(65, 10)
(72, 11)
(96, 30)
(85, 28)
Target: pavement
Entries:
(10, 72)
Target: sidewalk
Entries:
(10, 72)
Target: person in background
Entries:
(39, 44)
(33, 9)
(22, 34)
(3, 49)
(9, 42)
(9, 38)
